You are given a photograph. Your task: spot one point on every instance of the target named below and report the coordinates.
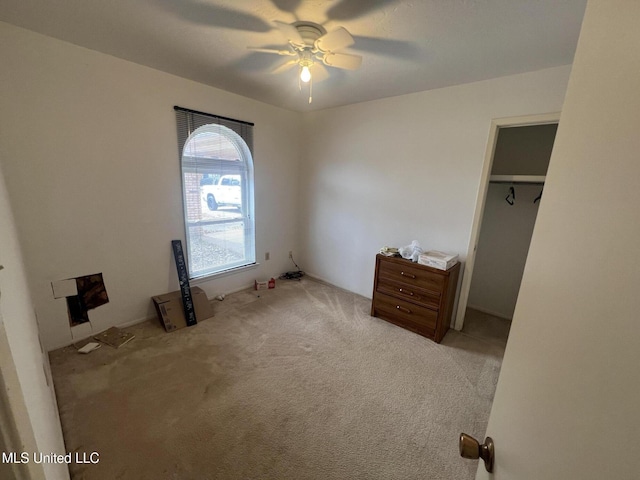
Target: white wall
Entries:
(90, 155)
(27, 396)
(390, 171)
(523, 150)
(567, 401)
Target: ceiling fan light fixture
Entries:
(306, 62)
(305, 74)
(313, 47)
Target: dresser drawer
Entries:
(395, 309)
(410, 293)
(407, 273)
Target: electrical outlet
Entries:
(267, 255)
(291, 254)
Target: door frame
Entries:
(496, 124)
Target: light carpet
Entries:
(298, 382)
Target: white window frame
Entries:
(194, 123)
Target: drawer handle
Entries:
(402, 290)
(407, 275)
(402, 309)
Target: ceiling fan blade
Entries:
(290, 32)
(272, 50)
(343, 60)
(284, 67)
(318, 72)
(350, 9)
(336, 40)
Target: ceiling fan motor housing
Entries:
(309, 32)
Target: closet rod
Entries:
(529, 179)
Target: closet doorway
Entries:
(513, 183)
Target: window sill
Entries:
(224, 273)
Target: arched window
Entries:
(217, 186)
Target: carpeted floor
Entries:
(298, 382)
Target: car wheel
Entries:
(211, 203)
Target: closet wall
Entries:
(506, 229)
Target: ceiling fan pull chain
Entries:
(310, 89)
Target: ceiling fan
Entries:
(312, 48)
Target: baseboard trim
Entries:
(317, 278)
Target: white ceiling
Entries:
(408, 46)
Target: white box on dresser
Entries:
(439, 260)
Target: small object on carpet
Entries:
(89, 347)
(114, 337)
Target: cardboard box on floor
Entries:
(171, 312)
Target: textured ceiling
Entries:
(408, 46)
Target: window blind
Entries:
(188, 120)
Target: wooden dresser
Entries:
(414, 296)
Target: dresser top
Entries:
(404, 261)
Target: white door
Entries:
(567, 404)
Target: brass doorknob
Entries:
(471, 448)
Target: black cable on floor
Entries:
(292, 275)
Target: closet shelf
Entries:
(533, 179)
